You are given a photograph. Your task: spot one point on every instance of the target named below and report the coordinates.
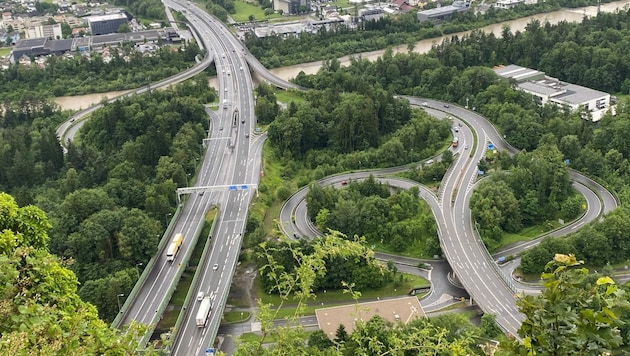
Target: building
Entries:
(291, 7)
(401, 5)
(508, 4)
(444, 12)
(43, 46)
(397, 310)
(294, 28)
(545, 90)
(46, 31)
(106, 24)
(369, 14)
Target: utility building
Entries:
(547, 90)
(444, 12)
(106, 24)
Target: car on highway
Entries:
(246, 135)
(200, 296)
(424, 103)
(447, 106)
(456, 129)
(466, 147)
(215, 267)
(344, 182)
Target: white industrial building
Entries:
(547, 90)
(508, 4)
(443, 13)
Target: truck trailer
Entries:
(204, 311)
(173, 248)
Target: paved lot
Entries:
(394, 310)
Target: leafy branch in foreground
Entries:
(575, 315)
(375, 336)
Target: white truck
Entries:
(204, 311)
(173, 248)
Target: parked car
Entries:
(429, 162)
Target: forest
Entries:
(529, 189)
(62, 76)
(599, 150)
(397, 222)
(122, 171)
(107, 198)
(338, 41)
(592, 53)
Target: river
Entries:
(287, 73)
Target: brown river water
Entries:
(287, 73)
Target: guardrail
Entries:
(196, 277)
(167, 298)
(147, 269)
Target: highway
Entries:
(232, 160)
(492, 290)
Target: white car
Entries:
(200, 296)
(215, 267)
(429, 162)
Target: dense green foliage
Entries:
(577, 313)
(82, 75)
(41, 312)
(149, 9)
(295, 270)
(400, 222)
(107, 199)
(349, 122)
(534, 189)
(599, 244)
(359, 268)
(592, 53)
(337, 41)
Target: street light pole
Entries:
(118, 299)
(166, 218)
(137, 269)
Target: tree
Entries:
(124, 28)
(341, 335)
(41, 309)
(574, 315)
(489, 327)
(319, 340)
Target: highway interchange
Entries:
(490, 288)
(229, 175)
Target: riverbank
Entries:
(287, 73)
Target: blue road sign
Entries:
(566, 161)
(209, 352)
(481, 172)
(243, 187)
(490, 146)
(232, 187)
